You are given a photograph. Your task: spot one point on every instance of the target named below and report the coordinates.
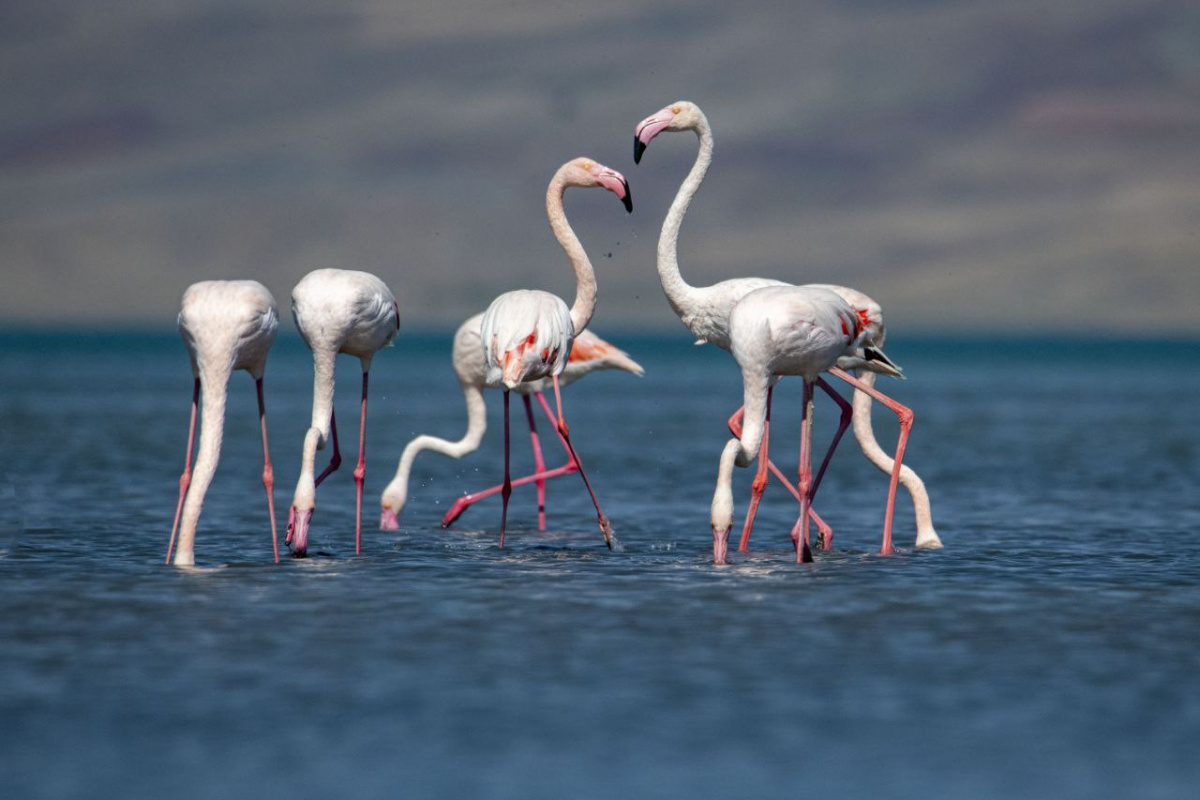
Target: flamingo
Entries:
(788, 330)
(527, 334)
(706, 311)
(226, 326)
(336, 311)
(588, 353)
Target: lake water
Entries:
(1052, 649)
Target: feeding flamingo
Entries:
(588, 353)
(788, 330)
(527, 334)
(226, 326)
(336, 311)
(706, 311)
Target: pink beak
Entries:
(388, 520)
(647, 129)
(615, 182)
(298, 532)
(720, 545)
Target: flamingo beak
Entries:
(647, 129)
(388, 520)
(615, 182)
(298, 531)
(720, 546)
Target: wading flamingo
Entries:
(588, 353)
(787, 330)
(336, 311)
(226, 326)
(705, 311)
(527, 334)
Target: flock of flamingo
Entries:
(530, 341)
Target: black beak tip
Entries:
(638, 149)
(628, 201)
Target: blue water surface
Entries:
(1050, 650)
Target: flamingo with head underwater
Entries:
(526, 335)
(588, 353)
(226, 326)
(706, 312)
(336, 311)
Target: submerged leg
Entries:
(605, 528)
(268, 475)
(906, 419)
(185, 480)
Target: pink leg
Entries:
(506, 487)
(185, 480)
(735, 426)
(804, 482)
(360, 470)
(465, 502)
(605, 528)
(906, 420)
(268, 476)
(760, 477)
(539, 466)
(824, 532)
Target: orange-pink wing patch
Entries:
(589, 350)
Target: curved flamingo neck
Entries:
(214, 382)
(396, 493)
(585, 276)
(324, 361)
(682, 296)
(926, 533)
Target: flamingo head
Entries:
(720, 545)
(388, 518)
(589, 172)
(681, 116)
(297, 530)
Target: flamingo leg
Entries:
(906, 420)
(185, 480)
(824, 532)
(804, 481)
(336, 460)
(506, 487)
(539, 465)
(823, 529)
(360, 469)
(466, 501)
(601, 518)
(760, 477)
(268, 476)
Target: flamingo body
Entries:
(336, 311)
(226, 326)
(706, 310)
(588, 353)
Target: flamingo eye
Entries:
(676, 110)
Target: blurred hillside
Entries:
(975, 166)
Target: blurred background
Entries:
(1027, 166)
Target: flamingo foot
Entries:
(825, 536)
(456, 511)
(607, 530)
